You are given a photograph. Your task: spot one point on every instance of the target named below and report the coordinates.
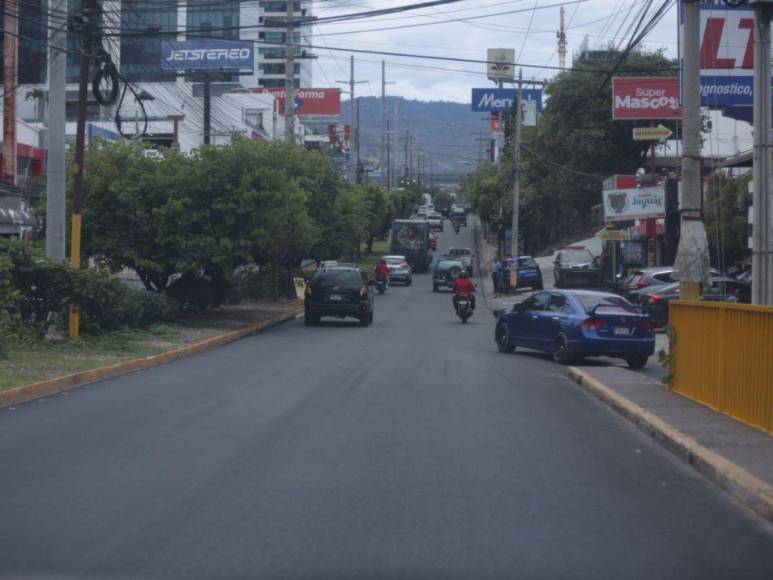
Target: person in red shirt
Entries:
(382, 271)
(463, 285)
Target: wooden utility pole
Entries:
(89, 14)
(516, 176)
(10, 54)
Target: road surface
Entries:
(410, 449)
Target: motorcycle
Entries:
(381, 285)
(456, 228)
(464, 307)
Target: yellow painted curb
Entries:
(66, 382)
(737, 481)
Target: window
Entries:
(141, 55)
(559, 303)
(663, 277)
(527, 262)
(271, 83)
(537, 303)
(330, 278)
(253, 118)
(607, 302)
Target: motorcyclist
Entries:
(463, 285)
(382, 272)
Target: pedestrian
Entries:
(495, 268)
(504, 277)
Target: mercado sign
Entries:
(645, 98)
(501, 100)
(634, 203)
(727, 53)
(209, 55)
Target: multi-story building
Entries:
(271, 59)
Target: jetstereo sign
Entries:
(645, 98)
(727, 53)
(210, 55)
(501, 100)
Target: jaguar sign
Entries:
(634, 203)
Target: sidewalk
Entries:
(732, 455)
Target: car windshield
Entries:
(460, 252)
(607, 302)
(446, 264)
(330, 279)
(394, 261)
(575, 256)
(527, 262)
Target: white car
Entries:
(399, 269)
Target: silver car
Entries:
(399, 269)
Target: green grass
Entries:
(29, 363)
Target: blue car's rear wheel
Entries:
(502, 338)
(636, 361)
(561, 352)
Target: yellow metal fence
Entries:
(723, 358)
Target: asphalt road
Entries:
(410, 449)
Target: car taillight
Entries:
(592, 324)
(654, 298)
(640, 282)
(364, 292)
(647, 326)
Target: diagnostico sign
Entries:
(210, 55)
(645, 98)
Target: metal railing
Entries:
(722, 357)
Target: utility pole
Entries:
(207, 109)
(89, 15)
(407, 158)
(389, 158)
(516, 177)
(55, 138)
(396, 141)
(692, 257)
(762, 209)
(357, 142)
(10, 54)
(354, 136)
(289, 76)
(381, 159)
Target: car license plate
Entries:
(621, 331)
(335, 298)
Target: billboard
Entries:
(501, 100)
(309, 102)
(645, 98)
(208, 55)
(727, 53)
(634, 203)
(500, 64)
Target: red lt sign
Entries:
(727, 40)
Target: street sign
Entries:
(210, 55)
(501, 100)
(500, 64)
(659, 133)
(645, 98)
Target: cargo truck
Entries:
(411, 238)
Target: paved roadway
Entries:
(410, 449)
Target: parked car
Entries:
(399, 269)
(722, 289)
(529, 272)
(465, 255)
(339, 292)
(640, 282)
(570, 324)
(575, 266)
(444, 273)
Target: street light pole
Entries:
(517, 173)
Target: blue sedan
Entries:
(572, 324)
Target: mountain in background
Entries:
(447, 132)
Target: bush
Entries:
(196, 293)
(107, 304)
(8, 293)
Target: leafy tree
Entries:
(726, 215)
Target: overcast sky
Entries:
(531, 31)
(528, 26)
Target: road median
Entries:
(734, 457)
(66, 382)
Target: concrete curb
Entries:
(66, 382)
(736, 481)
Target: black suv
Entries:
(338, 292)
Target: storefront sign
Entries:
(210, 55)
(645, 98)
(501, 100)
(633, 204)
(309, 102)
